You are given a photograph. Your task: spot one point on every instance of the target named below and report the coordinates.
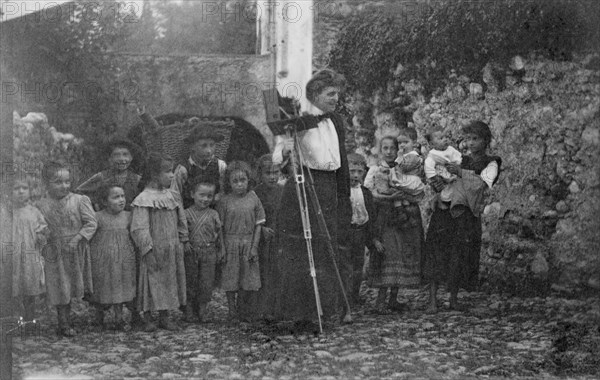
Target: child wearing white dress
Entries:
(29, 236)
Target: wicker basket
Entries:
(170, 137)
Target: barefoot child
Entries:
(242, 215)
(72, 224)
(121, 153)
(29, 237)
(454, 235)
(113, 257)
(203, 251)
(159, 230)
(269, 191)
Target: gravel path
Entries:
(498, 337)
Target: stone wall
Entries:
(208, 85)
(541, 226)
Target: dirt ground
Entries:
(499, 336)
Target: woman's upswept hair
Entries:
(235, 166)
(321, 80)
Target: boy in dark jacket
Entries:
(362, 229)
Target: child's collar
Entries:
(197, 208)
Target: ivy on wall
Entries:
(461, 35)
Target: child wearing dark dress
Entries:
(453, 239)
(203, 251)
(269, 192)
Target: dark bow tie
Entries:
(324, 116)
(319, 117)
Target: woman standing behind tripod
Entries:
(324, 154)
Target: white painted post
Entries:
(294, 47)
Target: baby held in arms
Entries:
(403, 174)
(441, 153)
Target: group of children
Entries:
(387, 207)
(115, 246)
(162, 241)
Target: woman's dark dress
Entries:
(453, 240)
(296, 292)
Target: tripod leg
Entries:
(323, 226)
(303, 204)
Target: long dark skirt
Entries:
(452, 249)
(296, 292)
(267, 296)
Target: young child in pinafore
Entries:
(203, 251)
(29, 231)
(113, 258)
(72, 223)
(242, 215)
(121, 153)
(159, 230)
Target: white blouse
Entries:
(319, 146)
